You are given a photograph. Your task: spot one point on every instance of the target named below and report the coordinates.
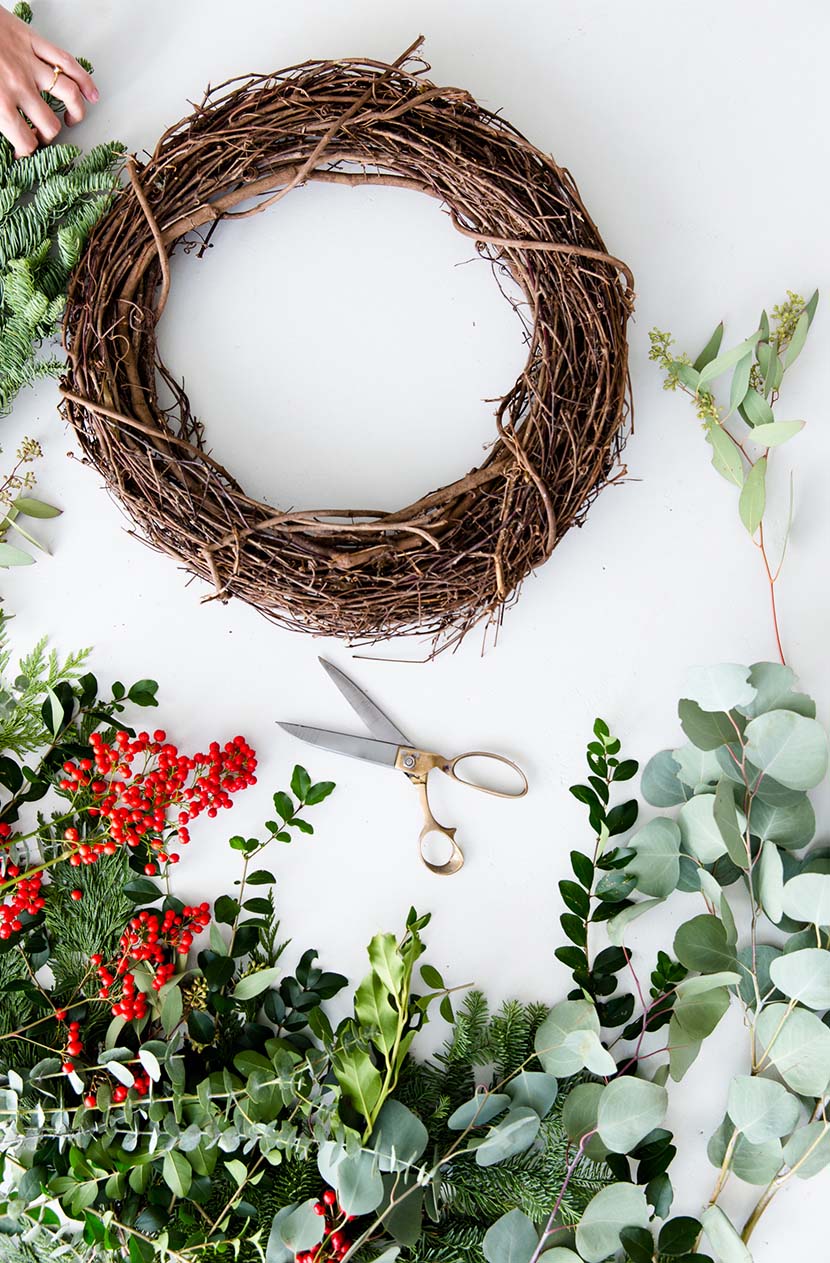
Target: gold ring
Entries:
(57, 74)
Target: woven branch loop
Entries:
(458, 554)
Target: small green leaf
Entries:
(11, 556)
(753, 496)
(727, 360)
(726, 456)
(711, 349)
(35, 508)
(796, 343)
(777, 433)
(254, 984)
(177, 1173)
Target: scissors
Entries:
(390, 748)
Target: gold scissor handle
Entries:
(417, 765)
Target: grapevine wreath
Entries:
(459, 553)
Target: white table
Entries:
(697, 134)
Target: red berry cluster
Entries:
(74, 1047)
(335, 1243)
(135, 803)
(24, 896)
(141, 1085)
(156, 938)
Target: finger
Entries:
(45, 121)
(55, 56)
(67, 90)
(18, 134)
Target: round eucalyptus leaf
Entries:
(699, 830)
(719, 688)
(698, 1014)
(579, 1116)
(699, 984)
(797, 1044)
(515, 1133)
(276, 1250)
(791, 825)
(302, 1228)
(534, 1089)
(656, 864)
(702, 944)
(511, 1239)
(659, 783)
(808, 1150)
(609, 1211)
(756, 1164)
(774, 686)
(806, 897)
(804, 976)
(708, 730)
(481, 1109)
(399, 1137)
(697, 769)
(788, 747)
(629, 1109)
(761, 1108)
(560, 1054)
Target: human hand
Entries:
(27, 68)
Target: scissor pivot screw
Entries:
(409, 760)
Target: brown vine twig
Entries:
(456, 555)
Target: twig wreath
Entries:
(457, 554)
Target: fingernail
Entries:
(96, 96)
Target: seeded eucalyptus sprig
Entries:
(743, 434)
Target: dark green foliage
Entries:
(487, 1049)
(49, 203)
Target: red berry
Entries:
(329, 1197)
(77, 895)
(60, 1015)
(91, 1101)
(319, 1208)
(68, 1067)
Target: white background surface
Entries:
(311, 337)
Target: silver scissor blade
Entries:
(383, 752)
(373, 717)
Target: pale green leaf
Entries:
(656, 863)
(776, 433)
(761, 1108)
(511, 1239)
(254, 984)
(804, 976)
(808, 1150)
(753, 498)
(609, 1211)
(797, 1045)
(726, 456)
(788, 747)
(719, 688)
(514, 1134)
(770, 882)
(726, 360)
(616, 926)
(629, 1109)
(807, 898)
(724, 1237)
